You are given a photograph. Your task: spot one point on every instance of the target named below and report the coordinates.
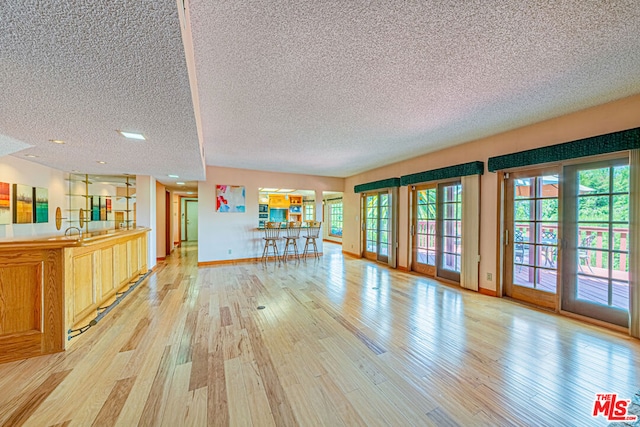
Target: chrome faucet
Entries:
(67, 231)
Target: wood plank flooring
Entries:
(340, 341)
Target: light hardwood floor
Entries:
(341, 341)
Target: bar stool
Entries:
(271, 235)
(313, 232)
(292, 235)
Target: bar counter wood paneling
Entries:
(49, 285)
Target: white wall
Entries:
(221, 233)
(161, 221)
(18, 171)
(607, 118)
(146, 213)
(175, 215)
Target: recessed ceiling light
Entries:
(174, 176)
(285, 190)
(180, 183)
(101, 162)
(57, 141)
(268, 189)
(189, 192)
(132, 135)
(30, 155)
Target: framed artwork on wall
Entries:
(5, 203)
(103, 208)
(22, 204)
(230, 198)
(95, 208)
(41, 205)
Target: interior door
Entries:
(191, 206)
(596, 261)
(377, 226)
(424, 229)
(531, 223)
(449, 233)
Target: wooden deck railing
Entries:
(598, 242)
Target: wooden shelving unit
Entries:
(295, 208)
(85, 210)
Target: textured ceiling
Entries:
(79, 70)
(305, 86)
(340, 87)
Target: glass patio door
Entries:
(377, 226)
(531, 237)
(596, 260)
(449, 231)
(424, 230)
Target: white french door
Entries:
(449, 235)
(377, 226)
(531, 227)
(424, 229)
(437, 230)
(596, 259)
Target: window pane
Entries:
(621, 238)
(523, 210)
(431, 211)
(422, 197)
(594, 181)
(521, 233)
(620, 266)
(593, 208)
(593, 289)
(593, 236)
(523, 276)
(449, 228)
(384, 237)
(620, 297)
(547, 256)
(621, 207)
(547, 186)
(621, 179)
(431, 195)
(546, 280)
(548, 209)
(522, 188)
(593, 262)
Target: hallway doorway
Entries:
(189, 220)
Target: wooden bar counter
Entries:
(51, 285)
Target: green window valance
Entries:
(471, 168)
(376, 185)
(601, 144)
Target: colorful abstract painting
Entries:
(230, 198)
(95, 208)
(5, 204)
(22, 204)
(41, 205)
(103, 208)
(108, 204)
